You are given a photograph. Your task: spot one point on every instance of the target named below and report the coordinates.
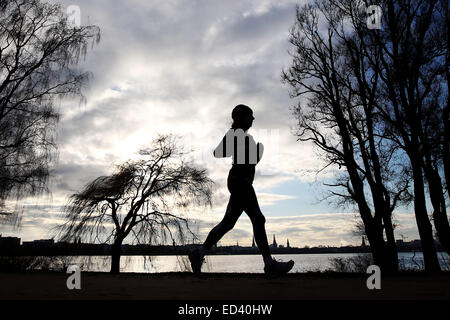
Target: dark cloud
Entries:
(69, 177)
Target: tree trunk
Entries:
(446, 143)
(373, 225)
(391, 246)
(380, 254)
(115, 256)
(436, 192)
(383, 218)
(423, 223)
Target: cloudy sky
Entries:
(180, 67)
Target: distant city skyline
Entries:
(274, 244)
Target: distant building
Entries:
(9, 242)
(274, 243)
(363, 243)
(44, 241)
(39, 243)
(253, 242)
(287, 244)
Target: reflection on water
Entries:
(237, 263)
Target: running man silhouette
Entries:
(245, 153)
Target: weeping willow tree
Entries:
(146, 199)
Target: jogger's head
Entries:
(242, 117)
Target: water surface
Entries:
(236, 263)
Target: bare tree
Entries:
(410, 54)
(337, 112)
(406, 67)
(39, 50)
(432, 100)
(144, 198)
(445, 13)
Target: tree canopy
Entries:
(39, 51)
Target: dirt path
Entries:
(184, 286)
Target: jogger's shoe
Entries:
(196, 259)
(278, 268)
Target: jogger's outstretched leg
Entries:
(234, 210)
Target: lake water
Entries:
(235, 263)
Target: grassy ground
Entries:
(216, 286)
